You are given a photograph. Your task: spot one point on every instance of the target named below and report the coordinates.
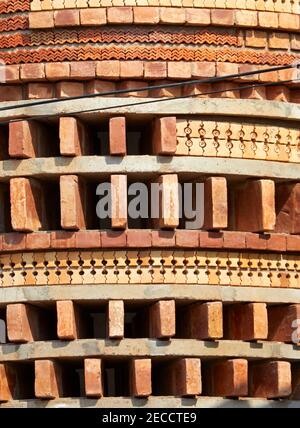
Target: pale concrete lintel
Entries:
(152, 402)
(146, 293)
(145, 166)
(146, 348)
(188, 106)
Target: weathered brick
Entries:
(8, 381)
(108, 69)
(139, 238)
(88, 239)
(283, 323)
(146, 15)
(227, 378)
(215, 202)
(162, 319)
(224, 17)
(93, 377)
(115, 319)
(246, 18)
(23, 323)
(66, 18)
(11, 93)
(163, 238)
(36, 91)
(211, 239)
(182, 377)
(288, 21)
(268, 19)
(72, 202)
(62, 239)
(48, 380)
(41, 19)
(140, 377)
(37, 241)
(167, 202)
(57, 70)
(255, 39)
(131, 86)
(172, 15)
(288, 208)
(202, 321)
(293, 243)
(187, 238)
(93, 16)
(26, 139)
(32, 72)
(14, 241)
(271, 379)
(82, 70)
(117, 136)
(118, 201)
(203, 69)
(119, 15)
(70, 322)
(73, 137)
(132, 70)
(247, 321)
(179, 70)
(69, 89)
(236, 240)
(100, 87)
(155, 70)
(164, 136)
(278, 93)
(279, 41)
(197, 17)
(165, 91)
(113, 239)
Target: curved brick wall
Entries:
(65, 275)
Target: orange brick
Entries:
(130, 87)
(12, 73)
(26, 139)
(83, 70)
(27, 205)
(93, 16)
(172, 15)
(117, 136)
(162, 319)
(37, 91)
(139, 238)
(215, 200)
(246, 18)
(41, 19)
(23, 323)
(163, 238)
(165, 91)
(271, 379)
(288, 21)
(226, 68)
(155, 70)
(119, 15)
(288, 208)
(37, 241)
(268, 19)
(119, 201)
(164, 136)
(279, 41)
(73, 138)
(115, 319)
(197, 16)
(108, 69)
(32, 72)
(226, 90)
(203, 321)
(283, 323)
(48, 382)
(140, 377)
(256, 39)
(255, 93)
(179, 70)
(203, 69)
(131, 69)
(247, 321)
(66, 18)
(227, 378)
(88, 239)
(168, 202)
(278, 93)
(70, 324)
(182, 377)
(72, 202)
(222, 17)
(93, 377)
(146, 15)
(11, 93)
(69, 89)
(57, 70)
(8, 380)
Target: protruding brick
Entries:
(211, 239)
(268, 19)
(43, 19)
(255, 206)
(139, 238)
(195, 16)
(117, 136)
(27, 139)
(62, 239)
(288, 208)
(72, 202)
(73, 137)
(155, 69)
(246, 18)
(132, 70)
(172, 15)
(119, 15)
(66, 18)
(215, 203)
(32, 72)
(70, 322)
(38, 241)
(202, 69)
(227, 378)
(234, 240)
(182, 377)
(271, 379)
(88, 239)
(113, 239)
(100, 86)
(165, 91)
(283, 323)
(164, 136)
(146, 15)
(202, 321)
(27, 205)
(93, 377)
(224, 17)
(246, 321)
(48, 380)
(115, 319)
(187, 238)
(108, 69)
(140, 377)
(167, 202)
(23, 323)
(8, 380)
(179, 70)
(278, 93)
(163, 238)
(162, 319)
(93, 16)
(57, 70)
(119, 201)
(83, 70)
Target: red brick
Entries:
(246, 321)
(211, 239)
(293, 243)
(187, 238)
(278, 93)
(164, 136)
(222, 17)
(288, 21)
(113, 239)
(41, 19)
(57, 70)
(155, 70)
(162, 319)
(27, 205)
(226, 68)
(83, 70)
(140, 377)
(73, 138)
(32, 72)
(268, 19)
(14, 241)
(108, 69)
(182, 377)
(66, 18)
(271, 379)
(8, 381)
(93, 377)
(246, 18)
(139, 238)
(246, 68)
(12, 73)
(131, 69)
(255, 206)
(256, 241)
(282, 320)
(88, 239)
(146, 15)
(11, 93)
(37, 241)
(48, 382)
(202, 321)
(197, 16)
(167, 202)
(132, 85)
(26, 139)
(117, 136)
(227, 378)
(165, 91)
(62, 239)
(203, 69)
(163, 238)
(23, 323)
(279, 41)
(100, 86)
(115, 319)
(254, 93)
(93, 16)
(226, 90)
(276, 242)
(215, 202)
(179, 70)
(270, 76)
(234, 240)
(288, 208)
(72, 202)
(70, 325)
(119, 201)
(201, 90)
(69, 89)
(37, 91)
(119, 15)
(172, 15)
